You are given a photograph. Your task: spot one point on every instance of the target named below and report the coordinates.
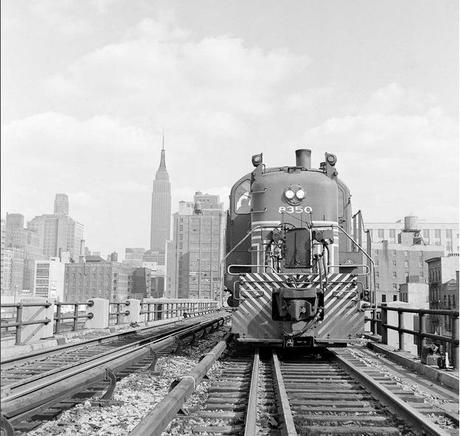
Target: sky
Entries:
(88, 86)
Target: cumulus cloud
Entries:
(156, 73)
(404, 145)
(100, 142)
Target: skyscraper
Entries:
(195, 254)
(58, 232)
(161, 208)
(61, 204)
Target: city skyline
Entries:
(79, 119)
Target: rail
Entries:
(450, 343)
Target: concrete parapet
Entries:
(448, 378)
(35, 332)
(100, 314)
(134, 308)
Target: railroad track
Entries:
(39, 387)
(336, 393)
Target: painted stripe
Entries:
(335, 316)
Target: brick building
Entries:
(443, 276)
(96, 277)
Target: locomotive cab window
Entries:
(242, 197)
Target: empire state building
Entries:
(161, 208)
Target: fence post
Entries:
(384, 322)
(58, 318)
(400, 333)
(454, 358)
(19, 321)
(421, 329)
(75, 319)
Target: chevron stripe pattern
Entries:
(253, 318)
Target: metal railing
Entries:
(70, 320)
(73, 316)
(160, 309)
(449, 343)
(62, 320)
(116, 311)
(18, 324)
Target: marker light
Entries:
(332, 159)
(289, 194)
(257, 159)
(300, 194)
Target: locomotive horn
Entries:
(303, 158)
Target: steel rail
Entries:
(35, 397)
(90, 362)
(56, 350)
(87, 360)
(165, 411)
(395, 404)
(284, 407)
(251, 414)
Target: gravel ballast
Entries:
(138, 393)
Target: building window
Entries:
(449, 233)
(437, 233)
(380, 233)
(426, 233)
(395, 298)
(384, 298)
(392, 233)
(377, 286)
(453, 302)
(394, 263)
(406, 264)
(377, 274)
(406, 253)
(395, 286)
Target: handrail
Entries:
(351, 266)
(247, 235)
(233, 265)
(17, 318)
(421, 334)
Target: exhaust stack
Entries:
(303, 158)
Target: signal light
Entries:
(257, 159)
(289, 194)
(331, 159)
(300, 194)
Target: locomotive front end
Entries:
(282, 230)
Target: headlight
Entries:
(289, 194)
(300, 194)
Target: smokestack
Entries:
(303, 158)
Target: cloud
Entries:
(156, 73)
(60, 16)
(405, 146)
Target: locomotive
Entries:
(296, 275)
